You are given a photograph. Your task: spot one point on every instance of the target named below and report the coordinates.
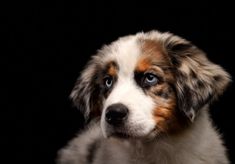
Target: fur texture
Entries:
(145, 98)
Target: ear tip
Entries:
(72, 95)
(226, 78)
(229, 77)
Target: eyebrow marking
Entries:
(143, 65)
(111, 68)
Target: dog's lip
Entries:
(124, 133)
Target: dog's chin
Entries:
(121, 135)
(130, 136)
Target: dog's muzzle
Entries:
(116, 114)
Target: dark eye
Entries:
(108, 82)
(150, 79)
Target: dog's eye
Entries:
(108, 81)
(150, 79)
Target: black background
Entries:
(48, 44)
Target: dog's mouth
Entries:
(127, 132)
(129, 136)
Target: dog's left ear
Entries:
(86, 92)
(198, 80)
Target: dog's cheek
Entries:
(97, 98)
(163, 116)
(168, 118)
(96, 105)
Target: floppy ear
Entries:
(198, 81)
(86, 92)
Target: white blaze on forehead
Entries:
(126, 54)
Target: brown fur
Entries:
(112, 69)
(152, 52)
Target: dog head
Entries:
(148, 83)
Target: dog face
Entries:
(147, 84)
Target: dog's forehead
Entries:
(126, 54)
(134, 52)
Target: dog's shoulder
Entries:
(89, 146)
(81, 148)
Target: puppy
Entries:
(146, 99)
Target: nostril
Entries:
(116, 114)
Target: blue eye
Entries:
(108, 81)
(150, 79)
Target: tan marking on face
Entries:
(143, 65)
(112, 69)
(168, 118)
(164, 116)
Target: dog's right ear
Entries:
(198, 81)
(85, 94)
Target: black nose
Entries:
(116, 114)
